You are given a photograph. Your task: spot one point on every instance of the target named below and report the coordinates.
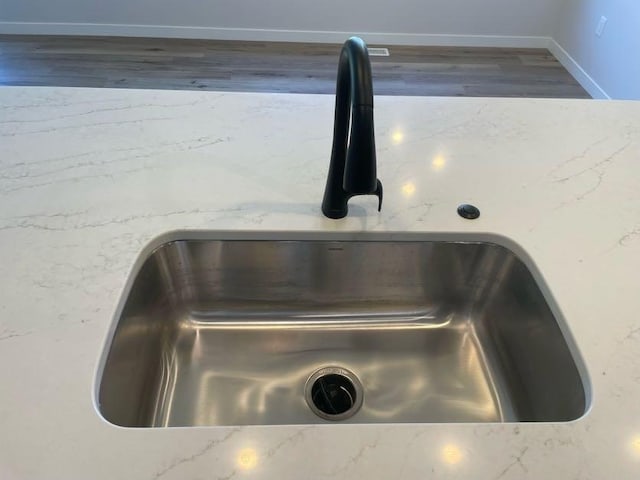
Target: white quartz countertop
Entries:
(89, 177)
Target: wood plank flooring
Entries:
(277, 67)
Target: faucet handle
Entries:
(378, 193)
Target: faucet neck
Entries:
(352, 170)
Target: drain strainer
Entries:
(333, 393)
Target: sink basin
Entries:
(224, 329)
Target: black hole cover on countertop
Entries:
(468, 211)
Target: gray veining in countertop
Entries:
(89, 177)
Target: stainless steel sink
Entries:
(227, 330)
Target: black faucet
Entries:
(352, 170)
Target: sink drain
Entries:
(334, 393)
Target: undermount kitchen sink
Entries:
(224, 329)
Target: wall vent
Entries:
(378, 52)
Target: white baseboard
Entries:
(215, 33)
(574, 68)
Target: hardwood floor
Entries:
(277, 67)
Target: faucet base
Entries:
(334, 204)
(335, 214)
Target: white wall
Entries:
(452, 22)
(608, 66)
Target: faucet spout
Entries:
(352, 169)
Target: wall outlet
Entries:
(601, 24)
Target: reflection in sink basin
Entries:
(228, 331)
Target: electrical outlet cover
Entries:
(601, 25)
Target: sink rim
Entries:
(340, 236)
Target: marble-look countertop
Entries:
(89, 177)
